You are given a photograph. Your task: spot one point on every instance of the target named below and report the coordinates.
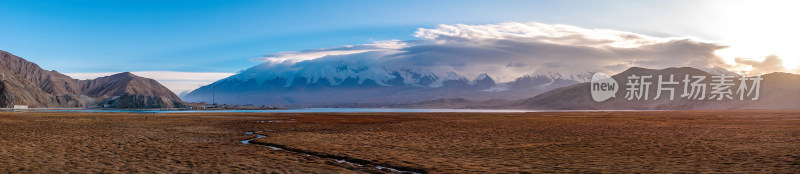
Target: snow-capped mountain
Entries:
(353, 83)
(549, 80)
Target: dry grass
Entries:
(607, 142)
(94, 142)
(558, 142)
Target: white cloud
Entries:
(770, 64)
(175, 81)
(556, 34)
(297, 56)
(504, 51)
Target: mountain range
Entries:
(352, 85)
(359, 87)
(776, 91)
(338, 85)
(25, 83)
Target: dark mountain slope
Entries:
(777, 91)
(25, 83)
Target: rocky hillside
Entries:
(125, 83)
(25, 83)
(51, 82)
(141, 101)
(13, 92)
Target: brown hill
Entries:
(778, 91)
(27, 83)
(49, 81)
(125, 83)
(18, 90)
(13, 92)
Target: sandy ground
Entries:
(605, 142)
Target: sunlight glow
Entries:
(756, 29)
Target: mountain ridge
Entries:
(775, 89)
(26, 83)
(402, 87)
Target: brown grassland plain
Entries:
(605, 142)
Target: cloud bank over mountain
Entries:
(770, 64)
(505, 51)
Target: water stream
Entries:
(339, 159)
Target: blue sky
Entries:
(222, 36)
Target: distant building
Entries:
(20, 106)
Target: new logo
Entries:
(603, 87)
